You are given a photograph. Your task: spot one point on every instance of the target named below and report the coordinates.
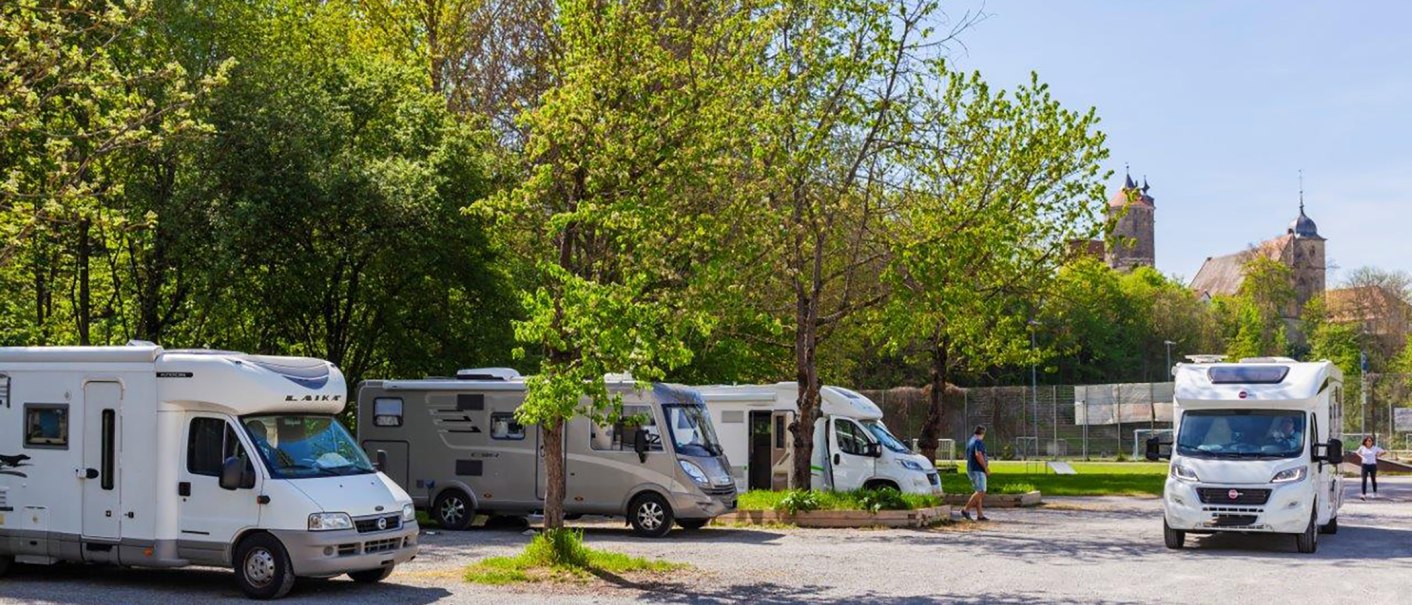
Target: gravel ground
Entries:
(1076, 550)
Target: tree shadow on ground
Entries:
(60, 584)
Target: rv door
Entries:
(854, 454)
(209, 515)
(102, 502)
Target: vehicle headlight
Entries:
(409, 513)
(329, 521)
(1290, 475)
(1180, 471)
(912, 465)
(694, 472)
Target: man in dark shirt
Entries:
(978, 469)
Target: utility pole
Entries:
(1363, 393)
(1034, 382)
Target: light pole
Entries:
(1034, 381)
(1169, 345)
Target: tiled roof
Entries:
(1223, 275)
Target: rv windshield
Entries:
(1241, 434)
(303, 446)
(691, 430)
(885, 437)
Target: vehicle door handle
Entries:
(837, 459)
(184, 489)
(91, 473)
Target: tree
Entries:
(1257, 326)
(625, 197)
(999, 186)
(1338, 342)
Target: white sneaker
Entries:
(1363, 497)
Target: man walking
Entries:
(978, 469)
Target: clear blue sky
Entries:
(1220, 103)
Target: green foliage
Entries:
(885, 498)
(797, 501)
(559, 555)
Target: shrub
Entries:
(799, 501)
(887, 498)
(561, 546)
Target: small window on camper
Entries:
(387, 411)
(852, 439)
(1247, 374)
(504, 426)
(618, 436)
(46, 425)
(208, 444)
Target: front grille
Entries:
(1232, 520)
(728, 490)
(370, 524)
(1222, 495)
(345, 550)
(373, 546)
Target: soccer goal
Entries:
(1140, 437)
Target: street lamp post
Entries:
(1034, 382)
(1169, 345)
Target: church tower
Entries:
(1307, 257)
(1132, 242)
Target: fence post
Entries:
(1054, 402)
(1086, 421)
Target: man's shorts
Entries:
(977, 480)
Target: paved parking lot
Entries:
(1074, 551)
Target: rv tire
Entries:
(454, 510)
(1330, 528)
(692, 524)
(1174, 538)
(371, 576)
(262, 567)
(1307, 541)
(650, 515)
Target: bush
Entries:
(559, 555)
(799, 501)
(558, 547)
(887, 498)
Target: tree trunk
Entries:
(554, 475)
(807, 375)
(932, 429)
(85, 310)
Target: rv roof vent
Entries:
(1266, 360)
(487, 374)
(618, 377)
(1206, 358)
(141, 343)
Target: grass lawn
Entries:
(854, 500)
(1093, 479)
(560, 558)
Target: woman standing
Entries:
(1368, 453)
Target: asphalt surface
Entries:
(1075, 550)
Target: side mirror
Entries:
(380, 460)
(1154, 449)
(1333, 451)
(875, 450)
(639, 444)
(233, 474)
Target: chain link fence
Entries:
(1108, 421)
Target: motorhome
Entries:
(458, 447)
(853, 449)
(139, 456)
(1256, 449)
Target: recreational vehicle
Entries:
(852, 447)
(457, 446)
(1256, 449)
(142, 457)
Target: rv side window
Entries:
(47, 425)
(387, 411)
(779, 432)
(618, 436)
(208, 444)
(852, 439)
(504, 426)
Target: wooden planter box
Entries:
(999, 500)
(921, 517)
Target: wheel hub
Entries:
(260, 567)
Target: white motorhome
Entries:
(852, 447)
(137, 456)
(457, 445)
(1256, 449)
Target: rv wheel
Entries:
(1174, 538)
(262, 568)
(650, 515)
(453, 510)
(371, 576)
(1308, 540)
(692, 524)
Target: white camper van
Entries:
(852, 447)
(458, 447)
(1256, 450)
(137, 456)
